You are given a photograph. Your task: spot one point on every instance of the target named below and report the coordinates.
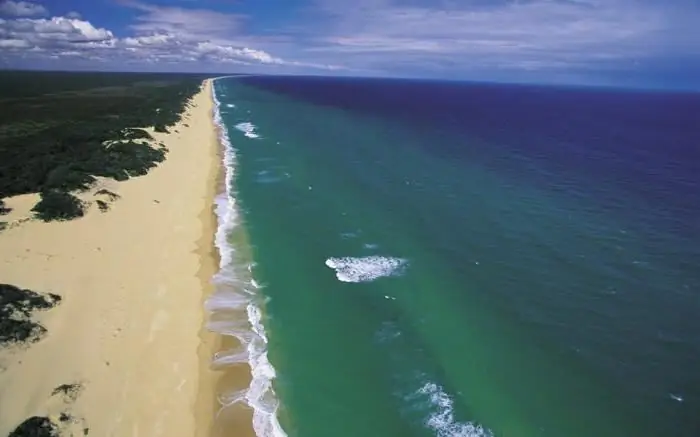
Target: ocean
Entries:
(418, 258)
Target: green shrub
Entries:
(53, 126)
(68, 178)
(58, 205)
(16, 308)
(102, 205)
(3, 209)
(136, 134)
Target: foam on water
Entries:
(228, 358)
(248, 129)
(235, 290)
(442, 421)
(365, 269)
(226, 300)
(271, 176)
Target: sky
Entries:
(639, 43)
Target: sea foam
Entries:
(248, 129)
(442, 421)
(365, 269)
(235, 290)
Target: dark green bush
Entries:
(3, 209)
(54, 125)
(110, 194)
(58, 205)
(136, 134)
(67, 178)
(36, 426)
(102, 205)
(16, 308)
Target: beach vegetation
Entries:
(16, 308)
(111, 195)
(102, 205)
(58, 205)
(3, 208)
(36, 426)
(61, 130)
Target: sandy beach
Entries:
(128, 335)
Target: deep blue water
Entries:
(551, 240)
(646, 143)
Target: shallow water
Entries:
(461, 260)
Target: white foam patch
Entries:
(236, 289)
(225, 300)
(442, 421)
(232, 327)
(231, 357)
(232, 398)
(248, 129)
(230, 105)
(365, 269)
(271, 176)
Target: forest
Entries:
(58, 130)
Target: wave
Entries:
(442, 421)
(235, 289)
(248, 129)
(228, 358)
(366, 269)
(271, 176)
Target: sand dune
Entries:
(124, 353)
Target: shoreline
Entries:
(247, 401)
(229, 421)
(130, 331)
(206, 404)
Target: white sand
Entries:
(133, 281)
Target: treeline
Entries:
(59, 130)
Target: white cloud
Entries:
(527, 34)
(149, 41)
(230, 53)
(58, 32)
(160, 34)
(200, 34)
(14, 44)
(74, 15)
(21, 9)
(184, 22)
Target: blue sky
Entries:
(653, 43)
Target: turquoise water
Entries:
(410, 291)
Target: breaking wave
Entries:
(365, 269)
(236, 290)
(441, 419)
(248, 129)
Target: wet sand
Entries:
(127, 341)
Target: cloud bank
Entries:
(578, 40)
(21, 9)
(160, 35)
(527, 35)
